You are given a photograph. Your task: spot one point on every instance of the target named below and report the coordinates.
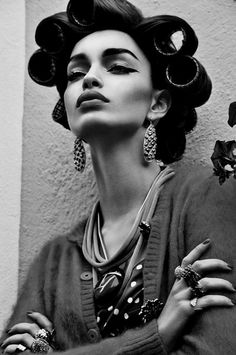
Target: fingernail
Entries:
(233, 302)
(29, 312)
(229, 266)
(207, 241)
(8, 330)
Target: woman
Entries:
(128, 86)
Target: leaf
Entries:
(232, 114)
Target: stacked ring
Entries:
(43, 341)
(197, 291)
(45, 335)
(39, 346)
(188, 274)
(178, 272)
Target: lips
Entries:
(90, 95)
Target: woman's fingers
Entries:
(24, 333)
(209, 265)
(211, 301)
(195, 253)
(24, 339)
(41, 320)
(31, 328)
(12, 348)
(206, 284)
(210, 284)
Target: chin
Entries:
(103, 125)
(89, 123)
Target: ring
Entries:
(178, 272)
(150, 310)
(45, 335)
(197, 291)
(21, 348)
(190, 276)
(193, 302)
(39, 346)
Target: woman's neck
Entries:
(123, 178)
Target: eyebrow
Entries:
(114, 51)
(107, 53)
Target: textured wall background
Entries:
(12, 59)
(54, 196)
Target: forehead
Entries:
(97, 42)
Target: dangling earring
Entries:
(79, 155)
(150, 143)
(59, 114)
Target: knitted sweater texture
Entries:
(191, 208)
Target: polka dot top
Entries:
(118, 305)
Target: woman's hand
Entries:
(181, 304)
(24, 333)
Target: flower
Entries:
(224, 155)
(224, 160)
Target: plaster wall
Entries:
(54, 195)
(12, 59)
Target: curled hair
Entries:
(168, 42)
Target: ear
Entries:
(160, 105)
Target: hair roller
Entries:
(187, 78)
(81, 12)
(171, 36)
(118, 14)
(174, 36)
(55, 33)
(42, 68)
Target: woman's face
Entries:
(109, 87)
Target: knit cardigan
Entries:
(191, 208)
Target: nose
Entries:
(92, 79)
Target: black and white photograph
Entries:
(118, 177)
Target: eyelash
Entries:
(116, 69)
(75, 75)
(120, 69)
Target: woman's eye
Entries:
(120, 69)
(75, 75)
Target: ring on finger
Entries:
(39, 346)
(193, 302)
(45, 334)
(178, 272)
(190, 276)
(197, 290)
(21, 348)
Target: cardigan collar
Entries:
(77, 234)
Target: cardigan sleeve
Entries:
(144, 340)
(31, 295)
(210, 212)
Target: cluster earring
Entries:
(79, 155)
(59, 114)
(150, 143)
